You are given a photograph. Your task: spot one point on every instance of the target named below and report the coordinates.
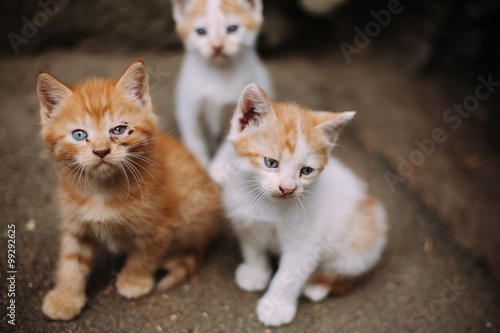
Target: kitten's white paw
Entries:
(275, 313)
(316, 292)
(134, 286)
(61, 305)
(251, 278)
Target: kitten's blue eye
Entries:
(306, 170)
(79, 135)
(271, 163)
(201, 31)
(119, 130)
(232, 28)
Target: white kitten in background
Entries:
(219, 37)
(285, 195)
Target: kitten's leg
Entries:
(254, 272)
(316, 292)
(68, 297)
(137, 276)
(189, 120)
(279, 304)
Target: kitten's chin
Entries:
(104, 170)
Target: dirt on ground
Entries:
(429, 280)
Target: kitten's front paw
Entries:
(60, 305)
(275, 313)
(315, 292)
(134, 286)
(251, 278)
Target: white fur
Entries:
(307, 235)
(311, 230)
(207, 85)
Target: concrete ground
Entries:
(426, 281)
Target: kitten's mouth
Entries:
(282, 196)
(219, 56)
(102, 165)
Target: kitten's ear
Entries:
(255, 6)
(331, 123)
(179, 9)
(253, 107)
(51, 94)
(135, 83)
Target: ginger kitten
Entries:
(123, 183)
(284, 194)
(219, 38)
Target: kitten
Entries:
(285, 195)
(123, 183)
(219, 38)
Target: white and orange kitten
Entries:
(219, 38)
(285, 195)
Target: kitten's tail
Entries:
(179, 269)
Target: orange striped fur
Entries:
(126, 184)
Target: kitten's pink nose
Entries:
(218, 49)
(102, 153)
(286, 191)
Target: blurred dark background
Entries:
(461, 37)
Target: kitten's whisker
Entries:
(310, 200)
(256, 197)
(80, 174)
(138, 164)
(315, 150)
(341, 146)
(76, 173)
(303, 209)
(262, 198)
(246, 195)
(144, 158)
(132, 171)
(122, 169)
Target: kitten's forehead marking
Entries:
(215, 22)
(87, 102)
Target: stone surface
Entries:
(410, 291)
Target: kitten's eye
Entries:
(271, 163)
(119, 130)
(232, 28)
(201, 31)
(306, 170)
(79, 135)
